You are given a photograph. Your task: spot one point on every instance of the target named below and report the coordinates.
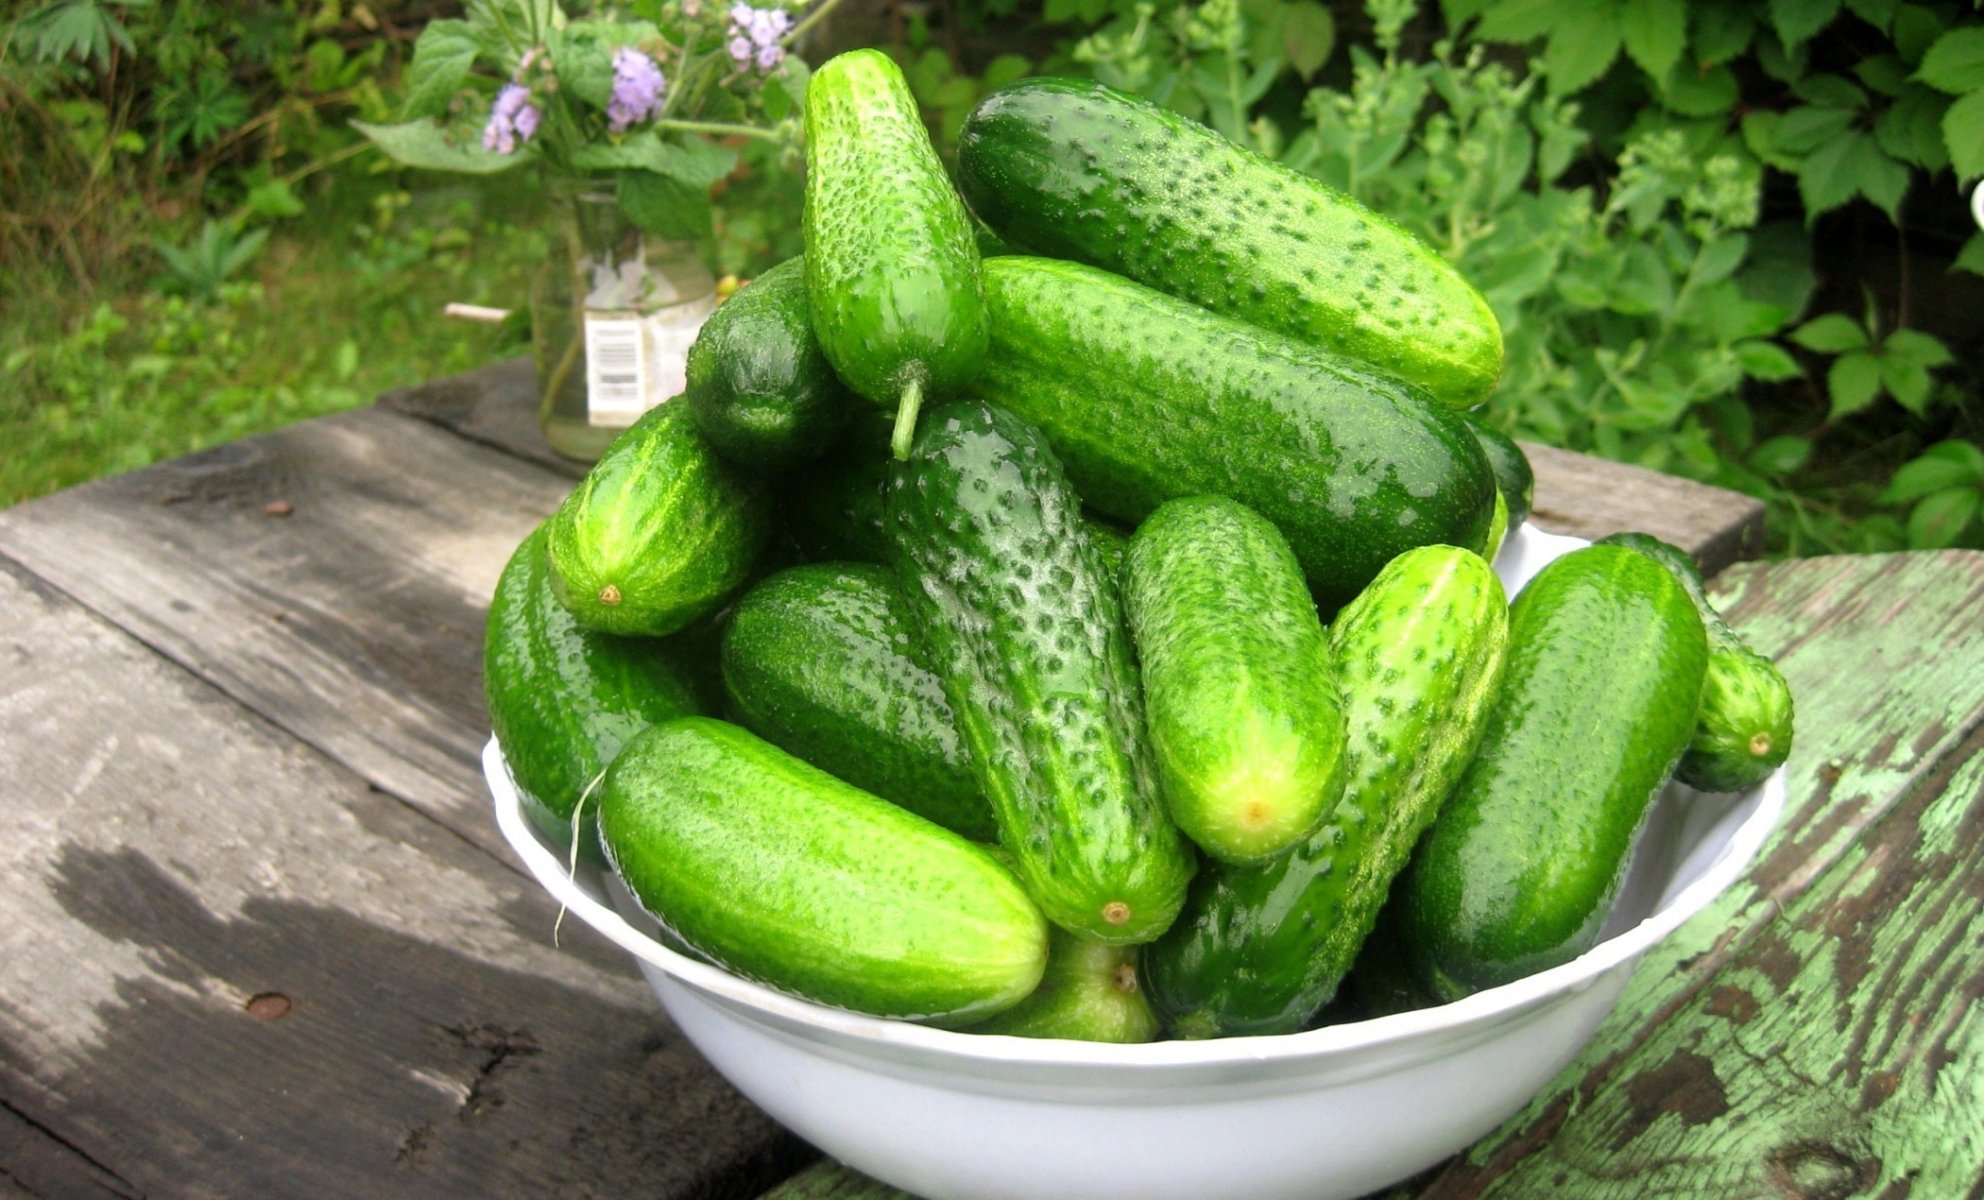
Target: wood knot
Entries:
(1813, 1171)
(269, 1006)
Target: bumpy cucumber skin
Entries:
(1072, 169)
(1240, 698)
(658, 532)
(1145, 398)
(1514, 477)
(892, 268)
(1746, 724)
(1027, 634)
(1419, 659)
(819, 661)
(563, 699)
(1090, 993)
(1606, 659)
(758, 385)
(780, 872)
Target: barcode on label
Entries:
(616, 371)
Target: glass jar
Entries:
(613, 312)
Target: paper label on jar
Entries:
(635, 363)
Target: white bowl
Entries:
(1332, 1112)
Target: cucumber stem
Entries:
(906, 410)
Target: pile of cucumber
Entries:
(1099, 641)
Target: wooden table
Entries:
(262, 937)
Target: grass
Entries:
(341, 303)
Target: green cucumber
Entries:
(1089, 993)
(1072, 169)
(1745, 728)
(891, 261)
(818, 660)
(1026, 632)
(1513, 475)
(1498, 528)
(1145, 398)
(563, 699)
(1239, 694)
(1419, 659)
(758, 385)
(783, 874)
(1606, 658)
(658, 532)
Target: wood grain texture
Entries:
(1575, 493)
(1591, 497)
(232, 968)
(1817, 1032)
(353, 619)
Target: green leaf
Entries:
(1853, 382)
(1833, 333)
(1798, 20)
(1916, 28)
(696, 163)
(1848, 165)
(1308, 34)
(1971, 257)
(274, 198)
(1907, 382)
(1963, 134)
(442, 59)
(1719, 259)
(1878, 13)
(1808, 127)
(1883, 73)
(1836, 91)
(1655, 32)
(1931, 472)
(1912, 345)
(664, 206)
(425, 145)
(1645, 286)
(1940, 519)
(1722, 32)
(1911, 128)
(1780, 455)
(1767, 361)
(1698, 93)
(1955, 61)
(1580, 51)
(1519, 20)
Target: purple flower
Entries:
(512, 119)
(637, 89)
(754, 36)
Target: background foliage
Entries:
(1727, 241)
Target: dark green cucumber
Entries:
(1239, 694)
(1606, 658)
(1419, 658)
(1089, 993)
(1745, 727)
(1026, 633)
(1498, 528)
(1145, 398)
(760, 389)
(563, 699)
(891, 260)
(1513, 474)
(1072, 169)
(780, 872)
(819, 661)
(658, 532)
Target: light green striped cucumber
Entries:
(1419, 658)
(1744, 730)
(1606, 657)
(1090, 993)
(658, 532)
(778, 871)
(1026, 632)
(891, 260)
(1239, 695)
(1072, 169)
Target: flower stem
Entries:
(812, 18)
(719, 129)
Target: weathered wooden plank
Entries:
(1818, 1032)
(1591, 497)
(1575, 493)
(231, 968)
(333, 576)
